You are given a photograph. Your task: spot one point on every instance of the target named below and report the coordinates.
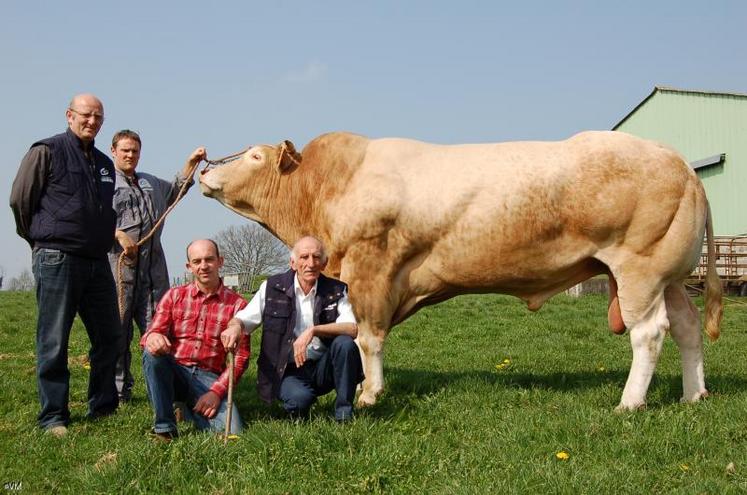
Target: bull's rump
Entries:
(526, 213)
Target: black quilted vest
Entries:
(278, 320)
(75, 213)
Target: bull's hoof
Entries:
(623, 408)
(695, 397)
(366, 399)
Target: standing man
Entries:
(308, 346)
(62, 203)
(184, 359)
(139, 201)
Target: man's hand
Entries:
(231, 335)
(208, 404)
(128, 245)
(194, 159)
(157, 344)
(300, 345)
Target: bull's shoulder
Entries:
(335, 150)
(337, 140)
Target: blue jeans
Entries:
(338, 369)
(67, 284)
(168, 381)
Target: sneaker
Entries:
(163, 437)
(58, 431)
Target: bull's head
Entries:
(244, 184)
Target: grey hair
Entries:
(319, 241)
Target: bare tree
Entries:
(23, 282)
(251, 251)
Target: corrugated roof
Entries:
(669, 89)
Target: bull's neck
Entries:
(291, 206)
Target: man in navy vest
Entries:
(307, 345)
(62, 203)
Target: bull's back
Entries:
(494, 213)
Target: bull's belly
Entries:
(521, 271)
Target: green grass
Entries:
(449, 421)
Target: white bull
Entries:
(407, 224)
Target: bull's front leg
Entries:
(371, 343)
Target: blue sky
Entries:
(229, 74)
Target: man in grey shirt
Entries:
(139, 201)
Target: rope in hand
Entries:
(120, 260)
(182, 191)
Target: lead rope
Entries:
(182, 190)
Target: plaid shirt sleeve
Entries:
(162, 322)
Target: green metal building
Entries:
(710, 129)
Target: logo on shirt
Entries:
(144, 184)
(104, 171)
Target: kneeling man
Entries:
(184, 359)
(308, 346)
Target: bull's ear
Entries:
(288, 157)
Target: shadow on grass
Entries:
(405, 384)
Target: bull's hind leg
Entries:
(685, 329)
(646, 338)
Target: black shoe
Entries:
(299, 416)
(93, 416)
(341, 418)
(163, 437)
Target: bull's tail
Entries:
(714, 308)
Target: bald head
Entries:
(85, 99)
(205, 262)
(205, 244)
(85, 116)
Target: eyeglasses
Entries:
(90, 115)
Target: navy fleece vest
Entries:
(75, 213)
(278, 320)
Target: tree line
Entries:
(250, 253)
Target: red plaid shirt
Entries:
(193, 322)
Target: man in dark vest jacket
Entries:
(308, 346)
(62, 203)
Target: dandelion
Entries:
(86, 366)
(503, 365)
(601, 369)
(684, 467)
(233, 437)
(563, 455)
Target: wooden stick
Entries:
(229, 400)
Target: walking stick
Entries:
(229, 400)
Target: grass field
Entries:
(481, 397)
